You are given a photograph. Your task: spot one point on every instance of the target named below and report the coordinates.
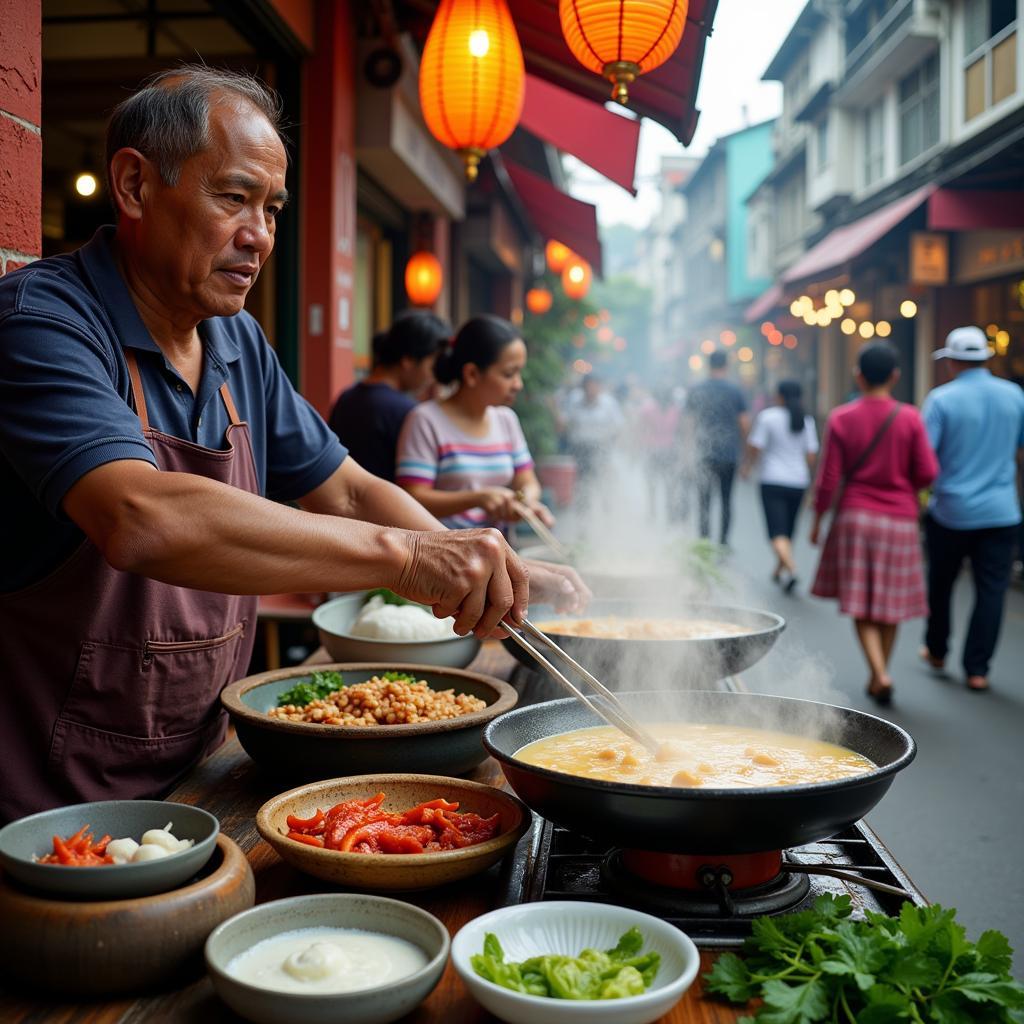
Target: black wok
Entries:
(710, 821)
(663, 664)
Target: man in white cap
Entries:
(976, 426)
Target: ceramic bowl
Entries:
(109, 947)
(393, 872)
(334, 618)
(375, 1005)
(301, 751)
(23, 840)
(568, 927)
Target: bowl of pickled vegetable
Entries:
(573, 962)
(302, 723)
(109, 849)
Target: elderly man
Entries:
(144, 423)
(976, 426)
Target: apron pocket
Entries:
(161, 690)
(93, 764)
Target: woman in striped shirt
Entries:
(465, 458)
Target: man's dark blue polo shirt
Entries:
(65, 394)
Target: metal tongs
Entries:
(543, 532)
(609, 707)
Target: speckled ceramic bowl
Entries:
(27, 838)
(376, 1005)
(300, 751)
(393, 872)
(334, 618)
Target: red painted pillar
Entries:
(21, 144)
(328, 206)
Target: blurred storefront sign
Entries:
(981, 255)
(929, 258)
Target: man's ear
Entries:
(130, 182)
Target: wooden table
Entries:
(232, 787)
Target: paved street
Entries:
(955, 818)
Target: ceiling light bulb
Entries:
(86, 184)
(479, 42)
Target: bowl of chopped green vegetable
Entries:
(380, 626)
(569, 962)
(303, 724)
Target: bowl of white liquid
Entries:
(326, 958)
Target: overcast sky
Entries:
(747, 34)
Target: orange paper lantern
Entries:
(576, 277)
(621, 39)
(539, 300)
(472, 78)
(423, 278)
(557, 255)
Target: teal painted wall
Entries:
(748, 158)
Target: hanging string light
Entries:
(472, 78)
(622, 39)
(557, 255)
(423, 278)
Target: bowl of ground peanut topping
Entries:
(304, 723)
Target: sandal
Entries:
(977, 684)
(880, 693)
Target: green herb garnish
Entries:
(387, 596)
(612, 974)
(817, 965)
(318, 686)
(398, 677)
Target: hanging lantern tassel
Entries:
(472, 79)
(423, 278)
(576, 277)
(622, 39)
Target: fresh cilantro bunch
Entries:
(398, 677)
(611, 974)
(318, 686)
(817, 965)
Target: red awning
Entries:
(849, 241)
(666, 95)
(557, 215)
(601, 139)
(764, 304)
(975, 209)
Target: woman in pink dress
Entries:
(876, 460)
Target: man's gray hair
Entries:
(168, 119)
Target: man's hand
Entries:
(557, 585)
(472, 575)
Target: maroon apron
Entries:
(111, 679)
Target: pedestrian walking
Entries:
(976, 426)
(718, 411)
(593, 423)
(465, 458)
(368, 416)
(876, 459)
(785, 441)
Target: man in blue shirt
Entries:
(976, 426)
(144, 424)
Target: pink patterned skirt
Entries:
(872, 563)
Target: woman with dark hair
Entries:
(368, 417)
(465, 458)
(876, 460)
(785, 441)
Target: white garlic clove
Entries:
(122, 850)
(148, 851)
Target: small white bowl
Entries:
(334, 618)
(567, 927)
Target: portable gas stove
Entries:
(712, 899)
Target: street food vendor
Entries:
(151, 445)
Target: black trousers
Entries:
(710, 472)
(990, 553)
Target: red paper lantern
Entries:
(423, 278)
(539, 300)
(557, 255)
(472, 78)
(576, 277)
(622, 39)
